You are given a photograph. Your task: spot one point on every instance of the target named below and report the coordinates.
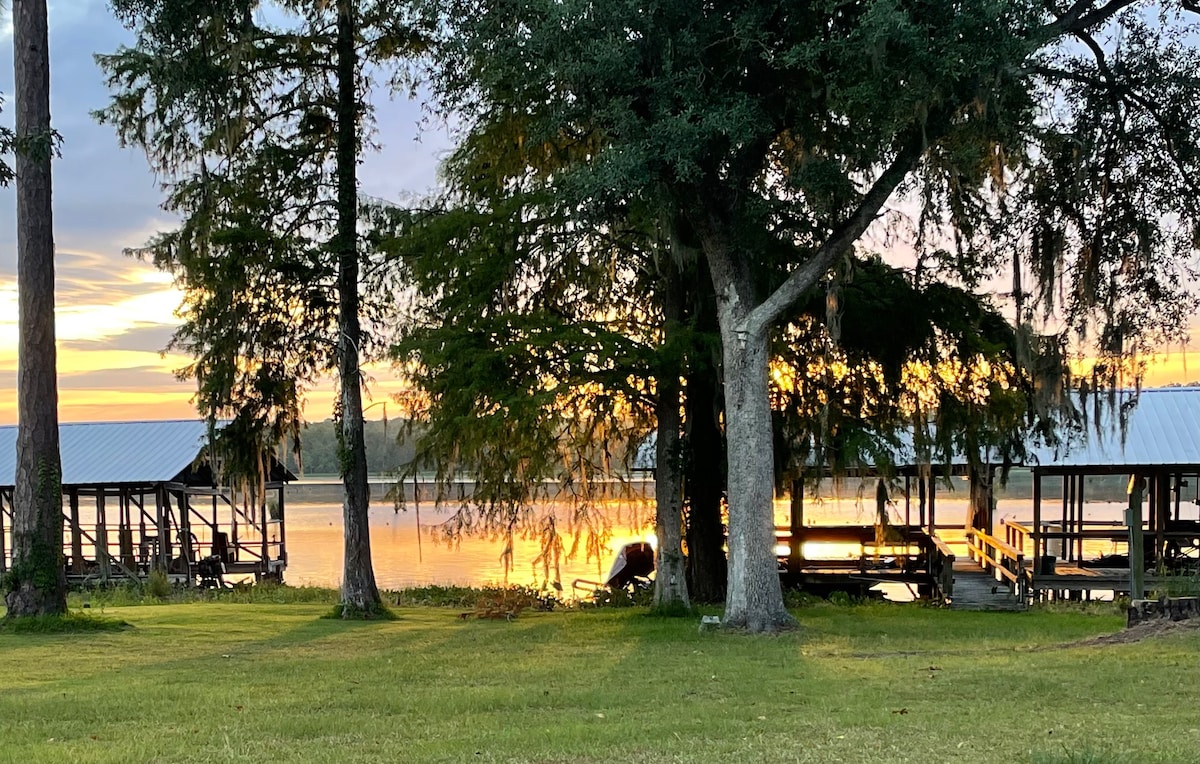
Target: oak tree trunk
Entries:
(37, 580)
(360, 595)
(670, 582)
(754, 600)
(704, 485)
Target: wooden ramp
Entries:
(975, 589)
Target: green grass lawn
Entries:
(221, 682)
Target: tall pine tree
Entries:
(254, 116)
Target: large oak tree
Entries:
(1056, 141)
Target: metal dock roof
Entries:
(116, 452)
(1162, 427)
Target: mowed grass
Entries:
(221, 682)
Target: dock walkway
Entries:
(976, 589)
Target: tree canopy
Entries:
(253, 115)
(6, 146)
(769, 138)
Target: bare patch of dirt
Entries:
(1158, 627)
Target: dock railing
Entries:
(1002, 557)
(941, 568)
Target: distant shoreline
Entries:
(328, 489)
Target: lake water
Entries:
(403, 557)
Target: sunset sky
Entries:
(115, 314)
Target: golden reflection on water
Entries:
(402, 559)
(314, 540)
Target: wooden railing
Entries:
(1004, 558)
(941, 568)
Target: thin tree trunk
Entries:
(704, 484)
(37, 583)
(979, 508)
(754, 600)
(670, 582)
(360, 595)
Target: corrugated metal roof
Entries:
(116, 452)
(1162, 427)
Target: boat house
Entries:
(1154, 439)
(1151, 438)
(143, 496)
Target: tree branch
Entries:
(1078, 18)
(1126, 94)
(842, 238)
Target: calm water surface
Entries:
(405, 557)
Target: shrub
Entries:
(158, 585)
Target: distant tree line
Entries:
(386, 451)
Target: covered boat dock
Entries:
(1154, 439)
(143, 496)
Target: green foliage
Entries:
(470, 596)
(531, 348)
(235, 109)
(386, 453)
(40, 567)
(66, 623)
(158, 585)
(620, 597)
(754, 131)
(7, 140)
(216, 100)
(261, 593)
(672, 610)
(40, 145)
(767, 139)
(1177, 585)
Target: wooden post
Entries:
(186, 552)
(101, 536)
(1079, 515)
(921, 500)
(282, 530)
(991, 499)
(1178, 493)
(3, 554)
(125, 531)
(264, 524)
(796, 548)
(1161, 513)
(76, 532)
(932, 504)
(1068, 516)
(162, 507)
(1137, 552)
(1037, 524)
(907, 503)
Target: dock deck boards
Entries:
(975, 589)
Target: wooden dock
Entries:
(977, 589)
